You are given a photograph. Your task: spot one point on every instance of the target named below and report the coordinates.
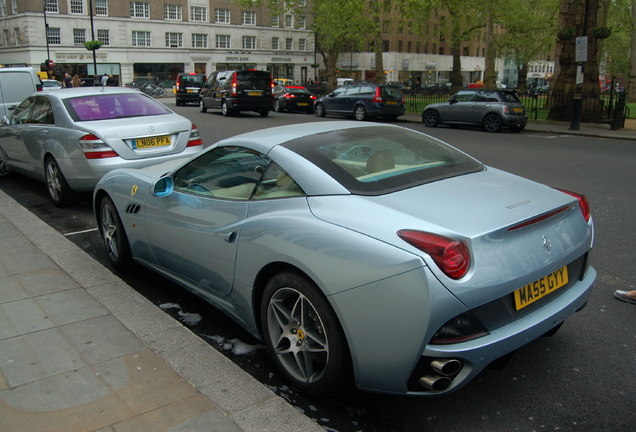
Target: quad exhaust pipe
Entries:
(444, 369)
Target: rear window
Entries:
(378, 160)
(511, 97)
(109, 106)
(192, 80)
(253, 79)
(391, 93)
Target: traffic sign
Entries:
(50, 63)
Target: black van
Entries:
(187, 87)
(238, 90)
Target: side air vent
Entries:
(133, 208)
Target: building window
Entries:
(409, 46)
(101, 7)
(222, 16)
(198, 13)
(172, 12)
(199, 40)
(139, 10)
(385, 46)
(302, 22)
(466, 51)
(289, 44)
(385, 26)
(410, 27)
(249, 42)
(77, 6)
(399, 46)
(14, 6)
(50, 6)
(289, 21)
(275, 43)
(103, 36)
(140, 38)
(249, 18)
(276, 21)
(223, 41)
(16, 36)
(441, 50)
(3, 9)
(302, 45)
(53, 34)
(5, 37)
(174, 40)
(79, 36)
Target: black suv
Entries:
(238, 90)
(491, 109)
(362, 101)
(187, 87)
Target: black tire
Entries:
(264, 113)
(320, 110)
(516, 129)
(225, 109)
(310, 350)
(492, 123)
(360, 113)
(59, 191)
(277, 106)
(113, 235)
(430, 118)
(202, 107)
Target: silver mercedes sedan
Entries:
(363, 254)
(71, 137)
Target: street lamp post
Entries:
(90, 11)
(46, 36)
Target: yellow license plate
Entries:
(254, 93)
(541, 288)
(302, 104)
(517, 110)
(391, 102)
(151, 142)
(192, 90)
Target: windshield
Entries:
(377, 160)
(109, 106)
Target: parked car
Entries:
(284, 81)
(187, 87)
(359, 252)
(238, 90)
(49, 84)
(490, 109)
(16, 83)
(70, 138)
(293, 98)
(362, 101)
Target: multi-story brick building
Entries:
(147, 39)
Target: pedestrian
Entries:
(111, 81)
(104, 79)
(68, 82)
(626, 296)
(76, 81)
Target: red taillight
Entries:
(451, 256)
(584, 205)
(234, 84)
(378, 95)
(95, 148)
(312, 97)
(195, 137)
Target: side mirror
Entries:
(163, 187)
(452, 100)
(4, 120)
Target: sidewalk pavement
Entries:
(563, 128)
(82, 351)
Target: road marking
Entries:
(81, 232)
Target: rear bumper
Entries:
(246, 104)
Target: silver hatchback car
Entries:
(70, 138)
(490, 109)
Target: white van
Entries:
(16, 83)
(345, 81)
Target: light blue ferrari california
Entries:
(359, 253)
